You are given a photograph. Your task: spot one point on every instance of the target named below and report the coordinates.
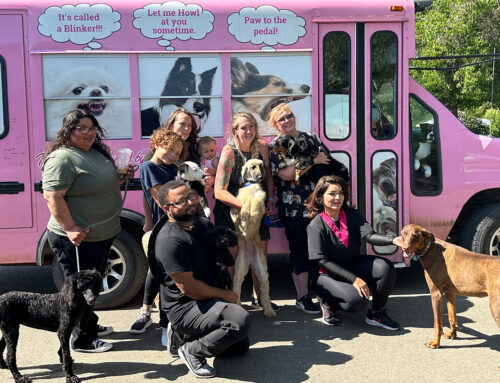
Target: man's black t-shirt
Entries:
(179, 251)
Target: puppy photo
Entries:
(89, 88)
(181, 88)
(59, 312)
(451, 270)
(425, 146)
(191, 174)
(260, 93)
(247, 222)
(385, 182)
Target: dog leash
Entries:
(127, 179)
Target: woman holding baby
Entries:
(244, 143)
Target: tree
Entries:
(459, 27)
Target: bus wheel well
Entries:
(477, 201)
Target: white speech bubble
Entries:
(173, 20)
(79, 24)
(266, 24)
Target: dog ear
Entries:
(251, 68)
(239, 75)
(181, 65)
(182, 168)
(428, 235)
(69, 289)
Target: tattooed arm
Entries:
(224, 169)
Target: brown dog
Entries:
(452, 270)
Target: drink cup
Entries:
(123, 160)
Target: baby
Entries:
(207, 147)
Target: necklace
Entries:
(185, 227)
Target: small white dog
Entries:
(191, 174)
(87, 88)
(246, 223)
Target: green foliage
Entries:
(459, 27)
(494, 116)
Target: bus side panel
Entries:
(470, 163)
(15, 181)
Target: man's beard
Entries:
(193, 217)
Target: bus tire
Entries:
(124, 275)
(481, 233)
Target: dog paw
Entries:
(450, 335)
(432, 344)
(22, 379)
(73, 379)
(269, 313)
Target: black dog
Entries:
(217, 241)
(301, 151)
(59, 312)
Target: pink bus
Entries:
(342, 66)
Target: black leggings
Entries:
(151, 289)
(378, 273)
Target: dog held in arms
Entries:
(218, 240)
(451, 270)
(59, 312)
(191, 174)
(247, 222)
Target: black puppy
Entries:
(304, 150)
(217, 241)
(59, 312)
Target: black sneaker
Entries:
(197, 365)
(380, 318)
(96, 346)
(142, 322)
(307, 305)
(103, 331)
(329, 315)
(256, 304)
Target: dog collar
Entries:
(247, 184)
(416, 257)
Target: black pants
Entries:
(296, 234)
(91, 255)
(214, 327)
(151, 288)
(378, 273)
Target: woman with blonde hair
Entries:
(243, 144)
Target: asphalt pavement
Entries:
(294, 347)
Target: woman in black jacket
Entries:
(345, 278)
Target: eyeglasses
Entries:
(289, 116)
(85, 129)
(184, 201)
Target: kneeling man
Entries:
(205, 320)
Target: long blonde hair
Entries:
(233, 139)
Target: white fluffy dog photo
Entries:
(87, 88)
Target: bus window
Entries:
(96, 84)
(384, 80)
(4, 111)
(192, 82)
(336, 84)
(424, 144)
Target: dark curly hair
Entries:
(69, 122)
(314, 203)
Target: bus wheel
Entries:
(124, 276)
(481, 233)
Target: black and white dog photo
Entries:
(424, 150)
(182, 88)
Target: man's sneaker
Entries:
(380, 318)
(256, 304)
(198, 366)
(96, 346)
(142, 322)
(173, 341)
(329, 315)
(164, 337)
(104, 330)
(306, 304)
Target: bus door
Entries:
(360, 117)
(15, 180)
